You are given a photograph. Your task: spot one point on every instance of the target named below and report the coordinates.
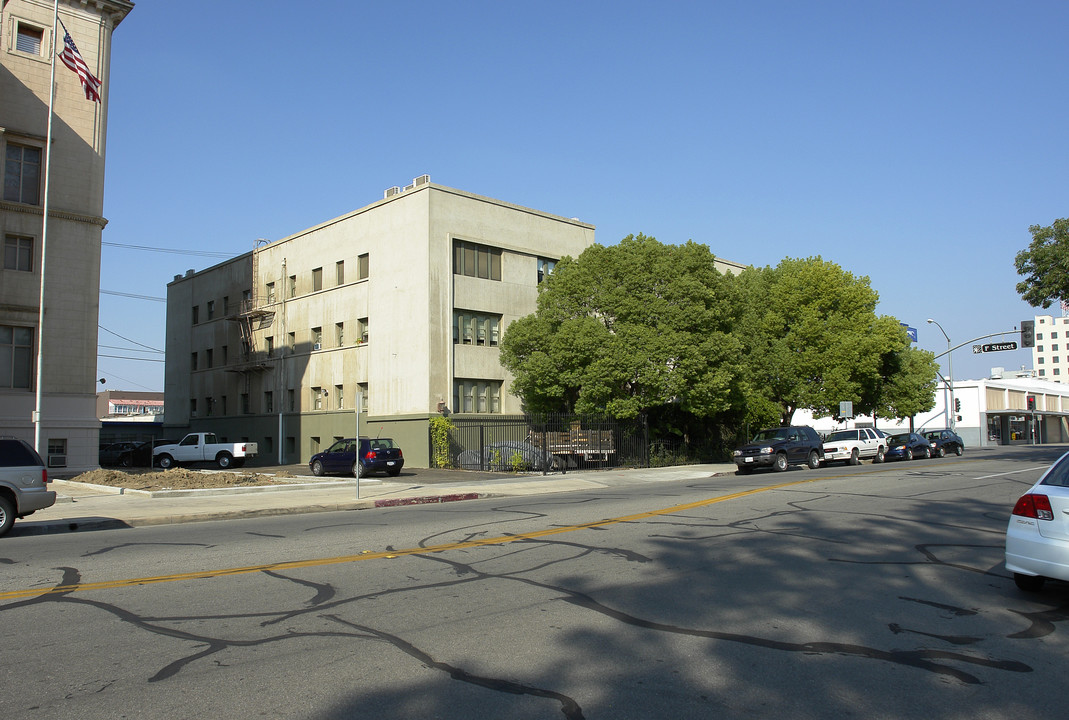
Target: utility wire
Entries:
(135, 342)
(175, 251)
(131, 295)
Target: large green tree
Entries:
(1045, 265)
(812, 337)
(626, 329)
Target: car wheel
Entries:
(317, 468)
(908, 453)
(7, 515)
(780, 464)
(359, 470)
(855, 458)
(941, 452)
(166, 462)
(958, 450)
(1029, 583)
(224, 460)
(814, 460)
(879, 455)
(927, 453)
(126, 461)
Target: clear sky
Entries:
(910, 142)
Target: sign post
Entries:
(359, 407)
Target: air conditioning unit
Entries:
(57, 461)
(390, 192)
(421, 180)
(317, 346)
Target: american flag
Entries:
(73, 59)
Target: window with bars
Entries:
(475, 260)
(476, 396)
(476, 328)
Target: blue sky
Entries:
(910, 142)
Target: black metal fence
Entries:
(547, 443)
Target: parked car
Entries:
(1037, 537)
(505, 456)
(779, 447)
(944, 442)
(375, 455)
(120, 453)
(853, 446)
(23, 482)
(907, 446)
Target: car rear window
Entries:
(16, 454)
(1059, 474)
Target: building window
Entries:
(196, 314)
(291, 445)
(222, 404)
(1039, 348)
(226, 305)
(22, 174)
(269, 402)
(477, 396)
(1039, 360)
(293, 286)
(338, 397)
(362, 389)
(476, 260)
(193, 361)
(1054, 347)
(362, 267)
(1039, 336)
(193, 407)
(245, 409)
(340, 268)
(209, 406)
(1054, 335)
(314, 444)
(476, 329)
(317, 398)
(339, 334)
(317, 338)
(57, 452)
(16, 357)
(1057, 371)
(209, 357)
(1042, 373)
(270, 292)
(18, 253)
(29, 39)
(362, 330)
(545, 267)
(317, 279)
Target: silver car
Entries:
(1037, 537)
(23, 482)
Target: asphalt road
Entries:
(872, 592)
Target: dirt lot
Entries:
(176, 479)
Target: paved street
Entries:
(874, 591)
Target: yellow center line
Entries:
(293, 564)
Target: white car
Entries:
(853, 446)
(1037, 537)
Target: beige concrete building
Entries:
(69, 426)
(398, 307)
(1050, 356)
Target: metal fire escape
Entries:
(255, 313)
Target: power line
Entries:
(131, 295)
(124, 357)
(135, 342)
(119, 347)
(175, 251)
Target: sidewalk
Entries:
(82, 507)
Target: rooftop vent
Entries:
(421, 180)
(390, 192)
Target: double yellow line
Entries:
(293, 564)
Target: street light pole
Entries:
(950, 377)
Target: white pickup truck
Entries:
(203, 447)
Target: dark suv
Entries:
(779, 447)
(23, 482)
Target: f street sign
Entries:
(994, 347)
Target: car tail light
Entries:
(1034, 506)
(399, 453)
(44, 476)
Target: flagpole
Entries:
(44, 233)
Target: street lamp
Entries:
(950, 377)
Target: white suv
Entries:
(23, 482)
(853, 446)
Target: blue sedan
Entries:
(907, 446)
(358, 457)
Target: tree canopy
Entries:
(1045, 265)
(628, 328)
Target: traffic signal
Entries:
(1031, 402)
(1028, 333)
(957, 405)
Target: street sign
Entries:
(994, 347)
